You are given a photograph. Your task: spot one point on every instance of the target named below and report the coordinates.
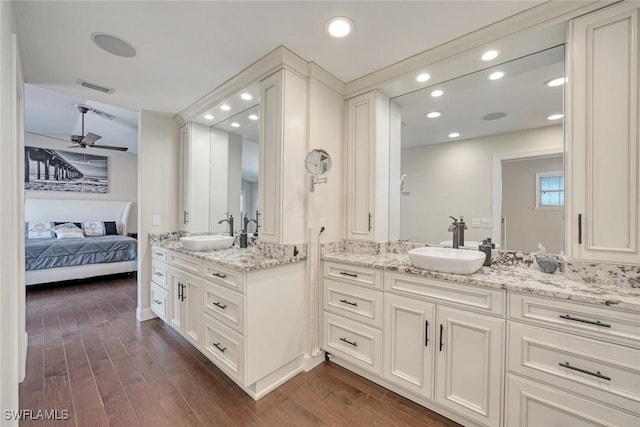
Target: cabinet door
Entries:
(192, 308)
(603, 135)
(360, 166)
(409, 344)
(175, 296)
(470, 364)
(185, 156)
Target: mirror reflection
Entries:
(487, 147)
(234, 171)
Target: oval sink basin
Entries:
(206, 243)
(447, 260)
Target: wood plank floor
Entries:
(88, 354)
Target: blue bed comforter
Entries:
(50, 253)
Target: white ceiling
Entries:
(187, 49)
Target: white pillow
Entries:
(68, 230)
(93, 228)
(39, 230)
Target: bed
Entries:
(49, 259)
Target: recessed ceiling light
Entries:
(423, 77)
(555, 117)
(208, 116)
(489, 55)
(235, 125)
(225, 107)
(436, 93)
(558, 81)
(339, 27)
(496, 75)
(454, 135)
(246, 96)
(114, 45)
(494, 116)
(434, 114)
(253, 117)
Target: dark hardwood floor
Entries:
(88, 355)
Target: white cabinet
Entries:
(367, 140)
(470, 364)
(409, 343)
(283, 106)
(185, 291)
(195, 149)
(603, 136)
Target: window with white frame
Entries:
(549, 190)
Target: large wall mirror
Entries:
(234, 169)
(487, 146)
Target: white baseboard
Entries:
(314, 359)
(145, 314)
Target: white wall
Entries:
(250, 190)
(235, 179)
(219, 179)
(454, 178)
(325, 127)
(158, 165)
(123, 177)
(11, 216)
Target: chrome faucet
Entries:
(248, 221)
(228, 219)
(461, 227)
(454, 228)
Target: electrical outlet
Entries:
(487, 223)
(476, 222)
(155, 219)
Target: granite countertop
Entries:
(245, 259)
(613, 291)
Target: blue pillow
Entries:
(110, 228)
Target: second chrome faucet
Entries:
(457, 227)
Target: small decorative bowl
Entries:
(547, 264)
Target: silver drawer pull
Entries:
(158, 253)
(222, 306)
(355, 304)
(217, 345)
(584, 371)
(344, 273)
(591, 322)
(157, 273)
(349, 342)
(222, 276)
(157, 301)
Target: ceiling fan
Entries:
(89, 140)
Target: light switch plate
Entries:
(155, 219)
(476, 222)
(487, 223)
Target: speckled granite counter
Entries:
(616, 288)
(248, 259)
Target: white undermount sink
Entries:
(212, 242)
(447, 260)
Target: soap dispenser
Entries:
(486, 247)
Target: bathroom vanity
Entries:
(234, 307)
(468, 346)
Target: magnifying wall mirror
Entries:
(318, 164)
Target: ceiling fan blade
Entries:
(110, 147)
(47, 136)
(74, 146)
(90, 139)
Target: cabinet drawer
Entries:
(356, 343)
(159, 273)
(224, 305)
(354, 302)
(159, 301)
(353, 275)
(603, 323)
(158, 253)
(224, 347)
(222, 276)
(185, 262)
(530, 404)
(607, 372)
(476, 298)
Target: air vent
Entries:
(94, 86)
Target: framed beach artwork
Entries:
(56, 170)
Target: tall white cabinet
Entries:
(603, 217)
(195, 153)
(367, 156)
(283, 107)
